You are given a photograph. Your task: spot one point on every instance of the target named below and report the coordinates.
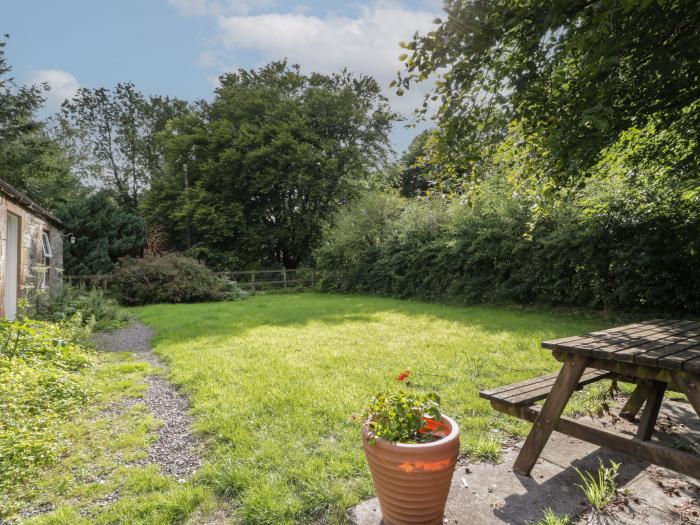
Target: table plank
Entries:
(618, 330)
(682, 360)
(583, 344)
(664, 343)
(669, 353)
(692, 366)
(630, 345)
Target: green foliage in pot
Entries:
(401, 417)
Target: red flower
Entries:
(403, 375)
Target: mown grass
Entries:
(274, 382)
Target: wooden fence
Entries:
(253, 280)
(273, 279)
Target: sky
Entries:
(180, 47)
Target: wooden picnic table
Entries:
(656, 355)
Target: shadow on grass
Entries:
(234, 319)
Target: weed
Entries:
(602, 487)
(483, 449)
(550, 518)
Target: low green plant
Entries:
(402, 417)
(601, 488)
(484, 449)
(233, 292)
(60, 303)
(40, 385)
(551, 518)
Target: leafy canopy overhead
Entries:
(574, 73)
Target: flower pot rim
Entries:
(383, 443)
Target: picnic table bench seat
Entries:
(530, 391)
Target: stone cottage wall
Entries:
(31, 250)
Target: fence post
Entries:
(252, 281)
(284, 276)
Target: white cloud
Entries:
(62, 85)
(367, 43)
(250, 33)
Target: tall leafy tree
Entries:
(104, 232)
(111, 135)
(573, 73)
(29, 159)
(252, 175)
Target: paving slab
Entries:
(488, 494)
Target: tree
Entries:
(29, 159)
(574, 74)
(112, 137)
(252, 175)
(104, 233)
(414, 173)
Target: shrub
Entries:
(169, 278)
(63, 302)
(40, 385)
(358, 230)
(621, 244)
(233, 292)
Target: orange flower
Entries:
(403, 375)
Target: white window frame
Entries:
(48, 255)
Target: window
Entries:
(48, 254)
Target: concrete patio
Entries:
(484, 493)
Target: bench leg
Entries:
(690, 386)
(564, 386)
(651, 410)
(636, 400)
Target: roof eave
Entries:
(20, 198)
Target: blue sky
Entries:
(180, 47)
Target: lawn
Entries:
(274, 382)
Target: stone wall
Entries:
(31, 253)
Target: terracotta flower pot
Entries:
(413, 480)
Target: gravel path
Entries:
(176, 450)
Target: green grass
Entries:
(600, 488)
(103, 448)
(274, 382)
(549, 517)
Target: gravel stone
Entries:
(176, 451)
